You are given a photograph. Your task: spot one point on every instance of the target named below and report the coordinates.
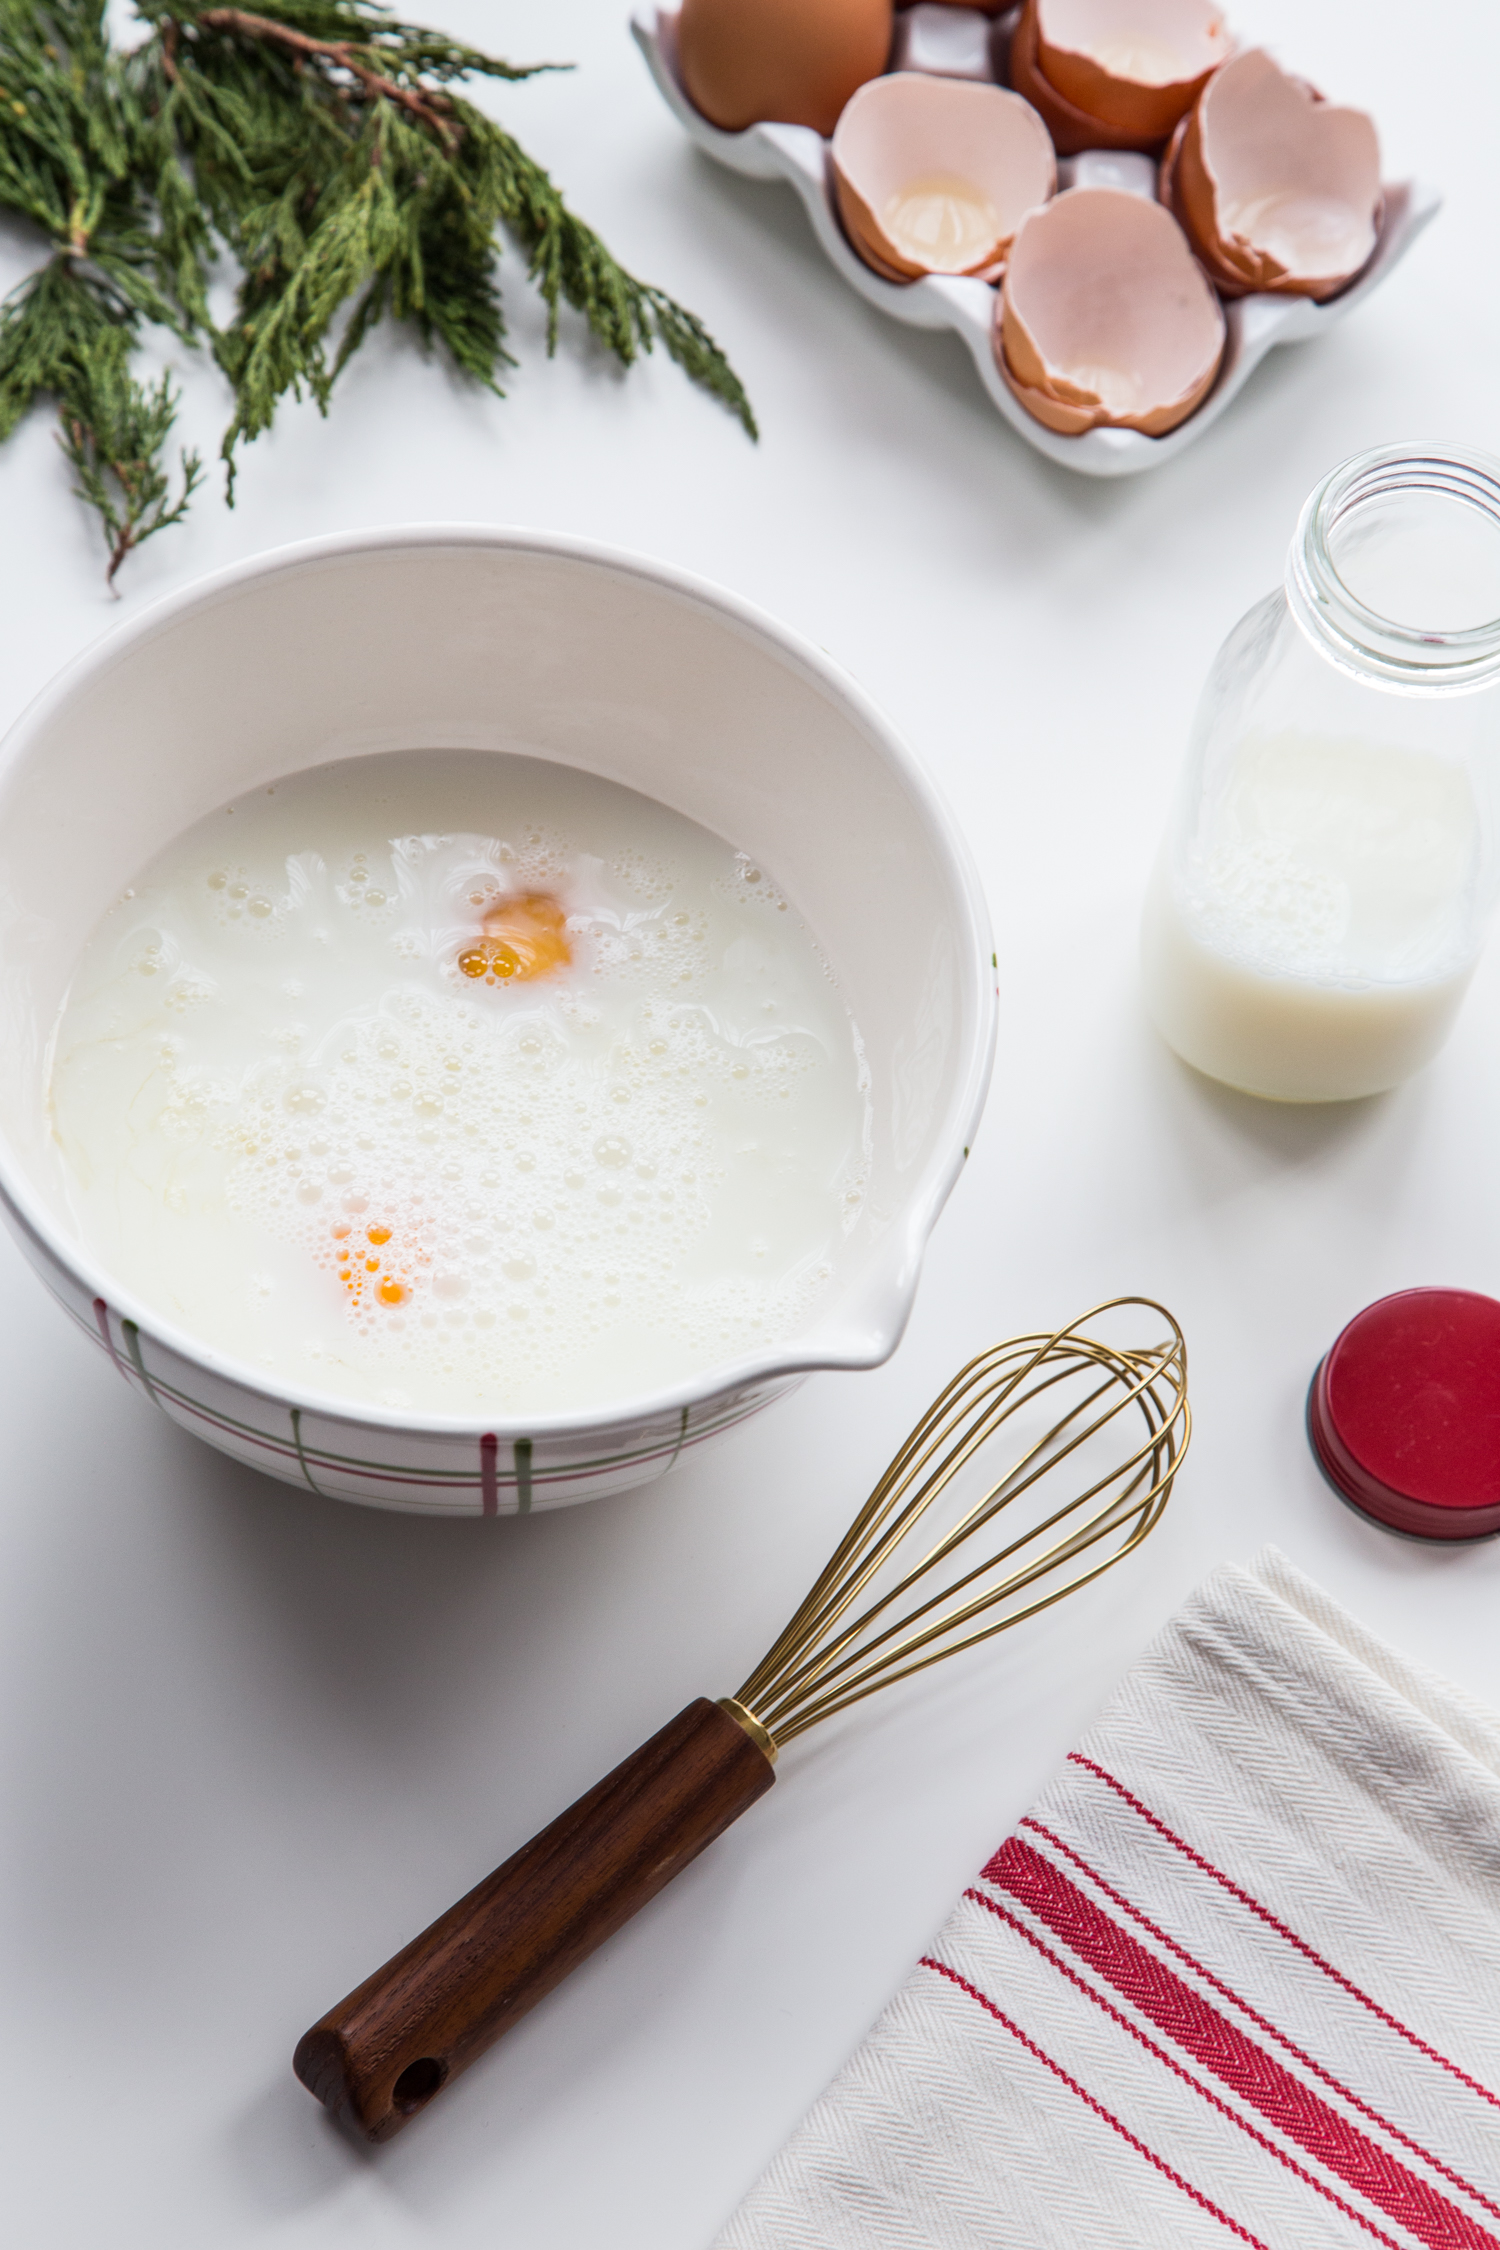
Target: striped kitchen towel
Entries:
(1236, 1976)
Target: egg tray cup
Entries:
(1255, 324)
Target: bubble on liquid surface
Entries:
(432, 1166)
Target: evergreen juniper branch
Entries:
(114, 433)
(61, 332)
(53, 329)
(568, 261)
(391, 207)
(322, 144)
(72, 143)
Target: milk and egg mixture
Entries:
(463, 1082)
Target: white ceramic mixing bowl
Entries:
(464, 638)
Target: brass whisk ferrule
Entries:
(752, 1726)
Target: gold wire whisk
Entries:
(1073, 1501)
(821, 1664)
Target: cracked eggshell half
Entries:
(934, 175)
(1105, 317)
(789, 62)
(1115, 73)
(1276, 188)
(1138, 65)
(1072, 131)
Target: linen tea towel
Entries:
(1236, 1977)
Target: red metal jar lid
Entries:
(1404, 1413)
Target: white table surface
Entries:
(252, 1740)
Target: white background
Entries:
(252, 1741)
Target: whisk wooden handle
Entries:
(382, 2053)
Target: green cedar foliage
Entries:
(325, 147)
(73, 163)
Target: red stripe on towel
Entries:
(1456, 2179)
(1281, 1930)
(1169, 2062)
(1230, 2054)
(1097, 2107)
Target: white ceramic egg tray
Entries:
(1256, 324)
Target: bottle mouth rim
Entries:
(1424, 660)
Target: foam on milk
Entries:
(296, 1116)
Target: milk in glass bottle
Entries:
(1323, 892)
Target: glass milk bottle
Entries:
(1322, 895)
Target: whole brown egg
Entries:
(794, 61)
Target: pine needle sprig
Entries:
(321, 144)
(67, 142)
(115, 441)
(569, 263)
(349, 180)
(71, 150)
(71, 147)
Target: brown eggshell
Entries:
(1166, 172)
(867, 246)
(907, 128)
(1105, 317)
(794, 62)
(1276, 189)
(1071, 128)
(1230, 275)
(1072, 421)
(1136, 65)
